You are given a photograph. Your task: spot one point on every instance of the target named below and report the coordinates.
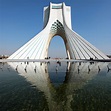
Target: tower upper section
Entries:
(59, 12)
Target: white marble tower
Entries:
(57, 21)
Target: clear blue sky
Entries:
(20, 20)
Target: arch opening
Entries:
(57, 48)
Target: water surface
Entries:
(52, 86)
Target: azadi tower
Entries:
(57, 21)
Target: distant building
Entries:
(4, 56)
(109, 56)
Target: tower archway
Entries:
(57, 48)
(57, 29)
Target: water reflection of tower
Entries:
(39, 78)
(58, 98)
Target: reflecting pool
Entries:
(55, 86)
